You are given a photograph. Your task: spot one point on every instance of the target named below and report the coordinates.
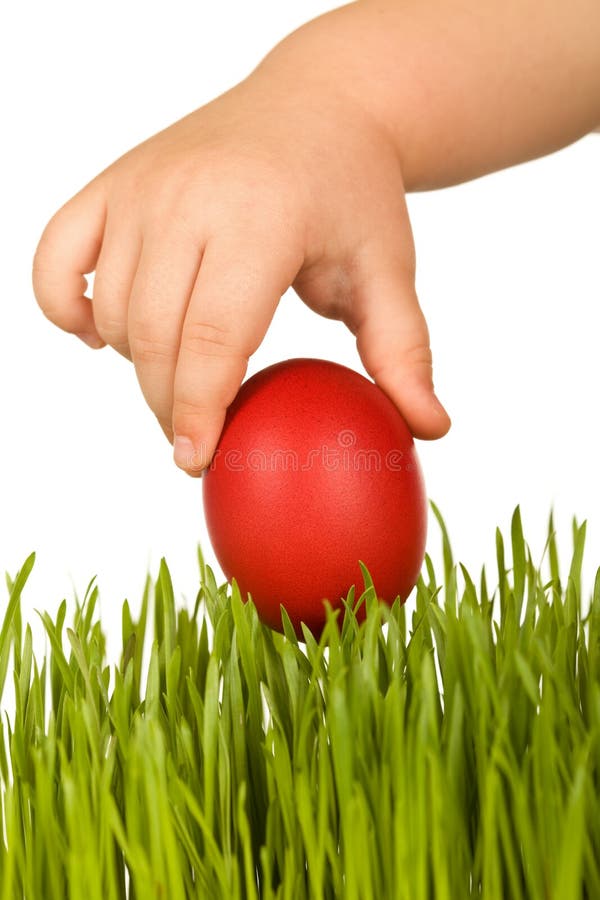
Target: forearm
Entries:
(462, 88)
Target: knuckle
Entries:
(111, 328)
(54, 313)
(202, 339)
(50, 308)
(44, 247)
(277, 202)
(199, 403)
(43, 273)
(262, 196)
(149, 348)
(410, 359)
(188, 411)
(418, 355)
(182, 219)
(166, 195)
(39, 275)
(170, 191)
(52, 299)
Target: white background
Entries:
(509, 278)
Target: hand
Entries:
(196, 234)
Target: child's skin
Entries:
(297, 177)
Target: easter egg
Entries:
(315, 471)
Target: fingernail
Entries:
(187, 456)
(92, 340)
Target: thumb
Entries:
(393, 341)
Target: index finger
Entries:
(233, 301)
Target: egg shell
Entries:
(315, 470)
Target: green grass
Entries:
(451, 756)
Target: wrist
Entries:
(336, 59)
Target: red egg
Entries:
(315, 470)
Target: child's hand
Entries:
(297, 176)
(196, 234)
